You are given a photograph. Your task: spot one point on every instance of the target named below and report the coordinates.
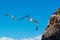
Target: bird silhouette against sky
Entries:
(31, 20)
(13, 17)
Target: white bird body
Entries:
(31, 20)
(12, 17)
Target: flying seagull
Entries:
(10, 16)
(31, 20)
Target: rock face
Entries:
(52, 32)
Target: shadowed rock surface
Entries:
(52, 32)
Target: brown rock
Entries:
(52, 32)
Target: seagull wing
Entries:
(36, 28)
(7, 15)
(25, 17)
(36, 24)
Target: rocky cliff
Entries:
(52, 32)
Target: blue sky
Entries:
(40, 10)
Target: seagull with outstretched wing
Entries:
(31, 20)
(10, 16)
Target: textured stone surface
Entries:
(52, 32)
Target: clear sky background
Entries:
(40, 10)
